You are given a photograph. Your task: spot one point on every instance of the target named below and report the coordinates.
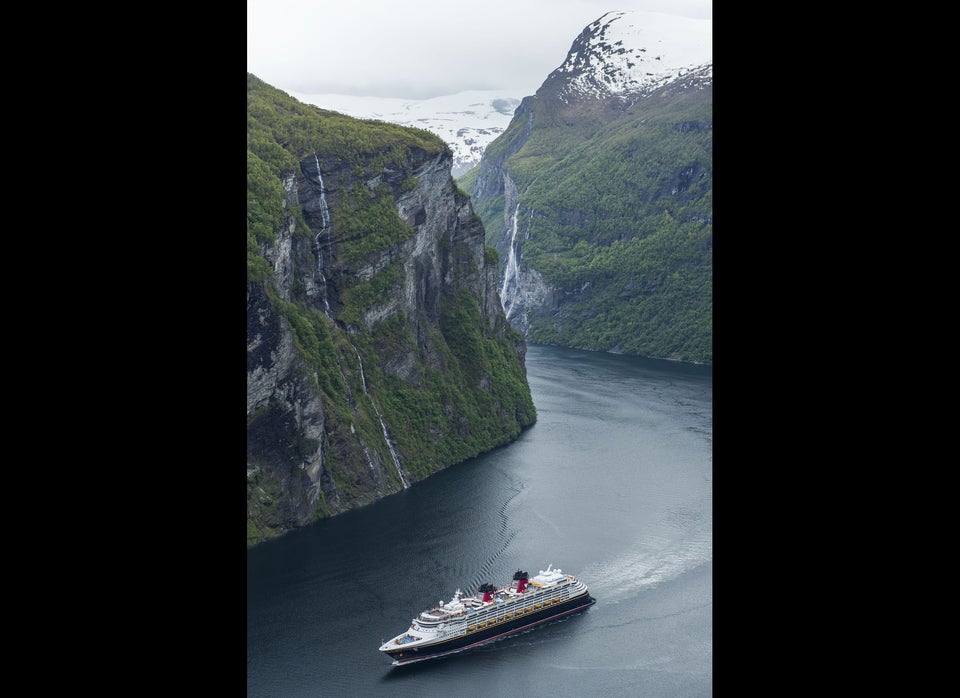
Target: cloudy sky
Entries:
(423, 48)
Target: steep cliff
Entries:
(599, 195)
(377, 348)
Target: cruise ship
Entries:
(466, 622)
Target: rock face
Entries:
(598, 196)
(377, 348)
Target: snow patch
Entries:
(467, 121)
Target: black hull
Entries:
(482, 637)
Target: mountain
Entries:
(599, 195)
(631, 54)
(378, 351)
(466, 121)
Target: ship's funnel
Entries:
(487, 590)
(520, 580)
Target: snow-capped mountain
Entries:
(621, 54)
(627, 53)
(612, 152)
(467, 121)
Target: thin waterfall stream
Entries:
(324, 222)
(383, 425)
(510, 287)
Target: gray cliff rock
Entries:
(378, 352)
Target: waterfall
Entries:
(324, 222)
(511, 283)
(366, 451)
(363, 378)
(324, 210)
(383, 425)
(393, 453)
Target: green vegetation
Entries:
(479, 399)
(282, 131)
(367, 223)
(616, 212)
(447, 385)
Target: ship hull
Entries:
(470, 640)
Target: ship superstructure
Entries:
(489, 614)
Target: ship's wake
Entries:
(620, 578)
(505, 535)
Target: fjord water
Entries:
(612, 484)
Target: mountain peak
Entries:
(627, 53)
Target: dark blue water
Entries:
(613, 484)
